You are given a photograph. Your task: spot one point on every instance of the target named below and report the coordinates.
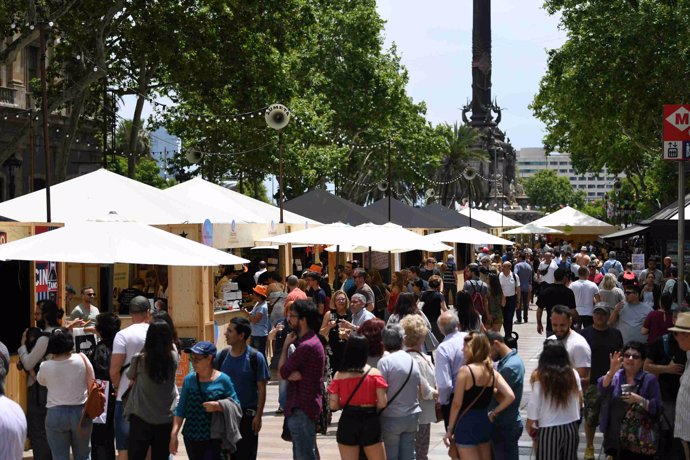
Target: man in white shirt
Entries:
(85, 311)
(578, 349)
(12, 419)
(547, 268)
(511, 291)
(586, 295)
(449, 359)
(127, 343)
(359, 313)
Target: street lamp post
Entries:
(44, 109)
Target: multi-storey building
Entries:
(532, 160)
(24, 171)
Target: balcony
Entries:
(7, 96)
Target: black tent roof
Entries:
(454, 218)
(325, 207)
(406, 215)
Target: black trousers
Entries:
(445, 410)
(508, 312)
(248, 446)
(208, 449)
(143, 435)
(521, 315)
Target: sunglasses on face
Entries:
(632, 356)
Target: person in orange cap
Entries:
(259, 319)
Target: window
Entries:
(33, 61)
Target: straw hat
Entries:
(682, 323)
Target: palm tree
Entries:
(463, 147)
(142, 144)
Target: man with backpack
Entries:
(672, 287)
(477, 289)
(249, 373)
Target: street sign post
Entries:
(677, 148)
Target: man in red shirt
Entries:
(303, 370)
(294, 293)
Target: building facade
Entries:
(532, 160)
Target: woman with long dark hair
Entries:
(103, 434)
(467, 314)
(496, 303)
(553, 411)
(396, 287)
(360, 391)
(406, 305)
(162, 315)
(340, 310)
(152, 394)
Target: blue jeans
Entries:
(259, 343)
(504, 441)
(121, 427)
(399, 434)
(63, 431)
(303, 432)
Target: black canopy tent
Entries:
(325, 207)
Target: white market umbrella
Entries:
(114, 240)
(532, 229)
(572, 221)
(490, 218)
(391, 237)
(468, 235)
(337, 233)
(98, 193)
(228, 205)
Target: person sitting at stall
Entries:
(85, 311)
(128, 294)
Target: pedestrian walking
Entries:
(12, 419)
(400, 419)
(553, 411)
(152, 394)
(66, 375)
(249, 373)
(416, 329)
(103, 434)
(633, 398)
(359, 390)
(508, 424)
(201, 392)
(471, 422)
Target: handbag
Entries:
(453, 448)
(95, 399)
(359, 384)
(639, 432)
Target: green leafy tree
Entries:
(549, 191)
(601, 97)
(460, 148)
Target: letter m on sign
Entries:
(682, 118)
(676, 122)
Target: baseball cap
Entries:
(602, 306)
(202, 348)
(139, 304)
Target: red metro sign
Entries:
(676, 132)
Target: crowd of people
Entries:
(392, 358)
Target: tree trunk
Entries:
(62, 161)
(136, 119)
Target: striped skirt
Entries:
(558, 442)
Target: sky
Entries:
(434, 40)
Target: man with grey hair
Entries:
(12, 419)
(359, 313)
(449, 359)
(399, 421)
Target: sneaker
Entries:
(280, 410)
(589, 453)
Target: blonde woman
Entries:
(340, 310)
(471, 423)
(415, 332)
(610, 292)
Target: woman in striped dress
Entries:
(553, 411)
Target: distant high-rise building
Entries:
(532, 160)
(163, 146)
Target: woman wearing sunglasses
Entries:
(629, 389)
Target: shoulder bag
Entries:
(407, 379)
(359, 384)
(95, 399)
